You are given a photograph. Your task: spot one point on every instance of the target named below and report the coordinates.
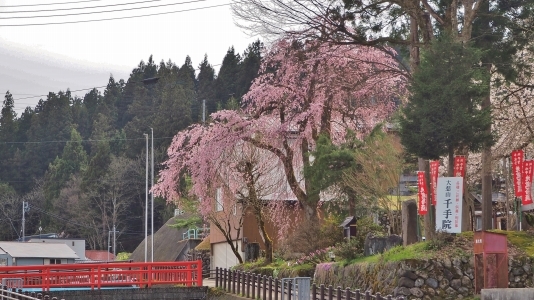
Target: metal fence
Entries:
(13, 294)
(255, 286)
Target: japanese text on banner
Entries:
(449, 204)
(517, 172)
(528, 168)
(422, 193)
(434, 170)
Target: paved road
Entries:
(208, 282)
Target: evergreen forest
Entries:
(81, 163)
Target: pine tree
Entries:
(205, 91)
(8, 134)
(226, 86)
(444, 113)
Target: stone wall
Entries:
(414, 279)
(444, 278)
(169, 293)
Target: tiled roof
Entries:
(44, 250)
(99, 255)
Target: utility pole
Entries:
(152, 196)
(146, 200)
(25, 208)
(114, 241)
(204, 111)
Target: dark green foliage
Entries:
(444, 112)
(348, 250)
(77, 155)
(329, 163)
(192, 222)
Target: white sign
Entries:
(449, 204)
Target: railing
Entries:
(255, 286)
(96, 276)
(12, 294)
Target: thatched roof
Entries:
(168, 243)
(204, 245)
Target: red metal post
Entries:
(199, 273)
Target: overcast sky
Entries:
(37, 59)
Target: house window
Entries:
(219, 200)
(3, 261)
(55, 261)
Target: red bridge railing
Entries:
(96, 276)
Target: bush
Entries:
(349, 250)
(439, 240)
(310, 236)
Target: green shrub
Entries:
(350, 249)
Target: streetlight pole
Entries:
(152, 196)
(146, 199)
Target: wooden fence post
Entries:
(258, 287)
(270, 288)
(358, 295)
(276, 289)
(321, 292)
(243, 275)
(347, 294)
(330, 292)
(224, 278)
(234, 279)
(338, 293)
(253, 285)
(264, 287)
(314, 291)
(216, 276)
(238, 282)
(248, 284)
(378, 296)
(367, 295)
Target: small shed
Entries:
(349, 227)
(27, 254)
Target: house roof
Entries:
(168, 242)
(347, 221)
(40, 250)
(99, 255)
(204, 245)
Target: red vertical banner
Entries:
(528, 168)
(434, 169)
(459, 166)
(422, 192)
(517, 171)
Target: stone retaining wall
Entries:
(444, 278)
(415, 279)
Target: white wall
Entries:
(223, 256)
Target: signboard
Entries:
(459, 166)
(449, 204)
(528, 168)
(517, 171)
(422, 193)
(434, 170)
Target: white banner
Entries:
(449, 204)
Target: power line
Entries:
(45, 4)
(111, 19)
(74, 8)
(105, 11)
(86, 89)
(83, 141)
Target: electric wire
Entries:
(116, 18)
(86, 89)
(75, 8)
(83, 141)
(46, 4)
(40, 210)
(104, 11)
